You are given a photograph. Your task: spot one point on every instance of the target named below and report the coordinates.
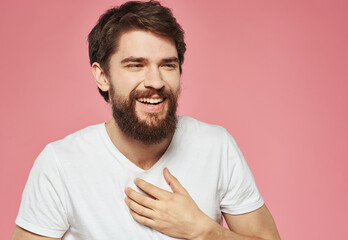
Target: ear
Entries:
(100, 77)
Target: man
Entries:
(116, 180)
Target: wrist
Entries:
(206, 228)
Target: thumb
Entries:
(173, 182)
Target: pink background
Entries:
(273, 73)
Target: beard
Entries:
(153, 129)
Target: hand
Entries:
(174, 214)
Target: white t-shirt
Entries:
(76, 187)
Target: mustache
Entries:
(150, 92)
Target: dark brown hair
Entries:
(148, 16)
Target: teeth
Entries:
(150, 100)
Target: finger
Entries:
(173, 182)
(139, 209)
(143, 220)
(140, 198)
(151, 189)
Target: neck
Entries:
(142, 155)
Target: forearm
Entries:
(211, 230)
(22, 234)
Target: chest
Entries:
(95, 198)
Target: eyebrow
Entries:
(141, 59)
(173, 59)
(133, 59)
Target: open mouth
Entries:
(151, 101)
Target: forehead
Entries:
(145, 44)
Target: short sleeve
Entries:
(42, 208)
(239, 193)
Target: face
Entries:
(144, 82)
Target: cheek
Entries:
(125, 83)
(176, 87)
(173, 80)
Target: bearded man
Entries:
(112, 180)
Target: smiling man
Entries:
(115, 180)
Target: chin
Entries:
(151, 119)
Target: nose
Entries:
(153, 79)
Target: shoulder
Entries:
(206, 136)
(78, 143)
(87, 135)
(190, 124)
(193, 127)
(195, 133)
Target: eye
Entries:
(134, 65)
(169, 66)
